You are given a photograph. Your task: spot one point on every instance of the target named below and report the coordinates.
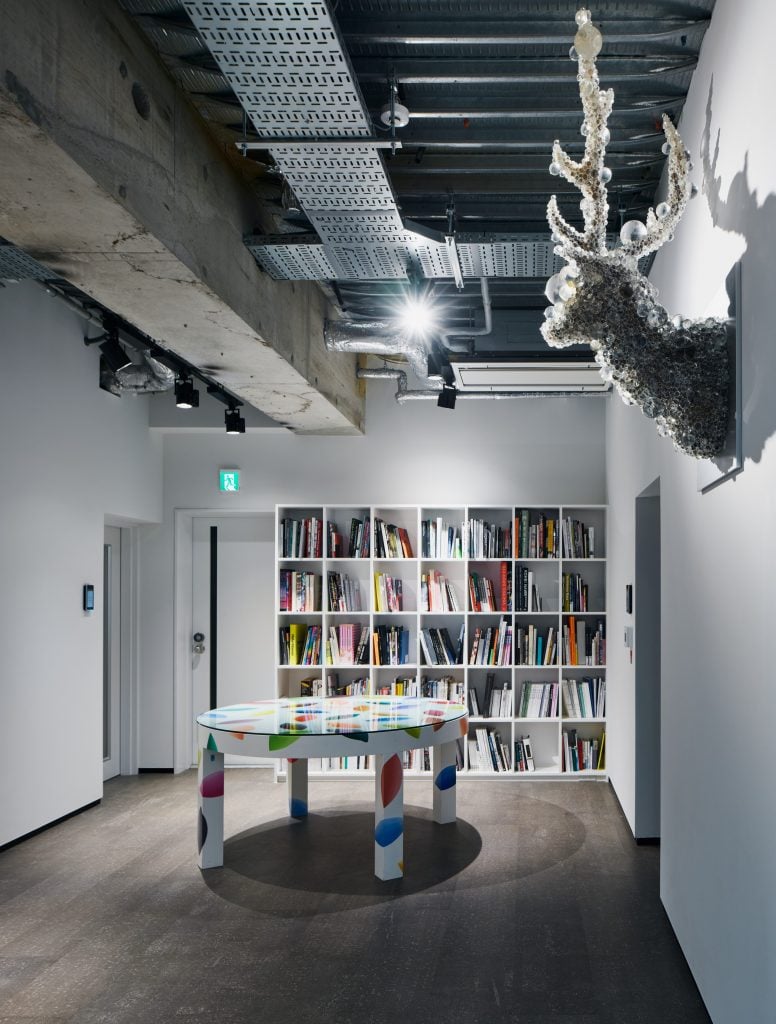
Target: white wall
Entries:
(70, 454)
(718, 874)
(505, 452)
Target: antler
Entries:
(589, 175)
(662, 221)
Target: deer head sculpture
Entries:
(675, 369)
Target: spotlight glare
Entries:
(417, 317)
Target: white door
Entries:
(245, 611)
(111, 653)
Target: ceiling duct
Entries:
(546, 376)
(380, 339)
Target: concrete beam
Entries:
(108, 176)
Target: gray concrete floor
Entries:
(535, 908)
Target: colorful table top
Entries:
(326, 716)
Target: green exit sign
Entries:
(229, 479)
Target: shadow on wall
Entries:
(740, 213)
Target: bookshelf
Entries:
(409, 600)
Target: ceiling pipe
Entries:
(404, 394)
(379, 338)
(477, 332)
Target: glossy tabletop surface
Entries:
(326, 716)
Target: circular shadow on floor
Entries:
(325, 863)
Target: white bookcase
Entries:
(548, 574)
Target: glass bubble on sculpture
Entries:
(675, 369)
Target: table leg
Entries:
(444, 782)
(297, 787)
(210, 777)
(389, 817)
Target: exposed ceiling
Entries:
(488, 87)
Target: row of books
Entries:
(399, 688)
(437, 593)
(348, 644)
(438, 648)
(538, 700)
(488, 752)
(359, 762)
(536, 648)
(583, 643)
(391, 541)
(578, 539)
(440, 540)
(584, 698)
(524, 761)
(299, 591)
(301, 538)
(575, 593)
(496, 703)
(446, 688)
(390, 645)
(344, 593)
(300, 644)
(358, 541)
(582, 754)
(348, 688)
(526, 593)
(492, 645)
(389, 596)
(536, 536)
(488, 540)
(482, 593)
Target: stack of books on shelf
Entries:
(446, 688)
(399, 688)
(496, 702)
(584, 698)
(527, 595)
(358, 542)
(535, 648)
(344, 593)
(524, 761)
(300, 644)
(301, 538)
(582, 754)
(487, 752)
(492, 645)
(438, 648)
(348, 644)
(312, 686)
(437, 593)
(388, 593)
(391, 541)
(578, 539)
(350, 688)
(482, 595)
(583, 643)
(538, 700)
(359, 762)
(299, 591)
(390, 645)
(488, 540)
(575, 593)
(439, 540)
(537, 539)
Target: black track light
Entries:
(186, 395)
(235, 424)
(447, 397)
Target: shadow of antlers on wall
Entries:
(740, 212)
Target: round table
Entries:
(298, 728)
